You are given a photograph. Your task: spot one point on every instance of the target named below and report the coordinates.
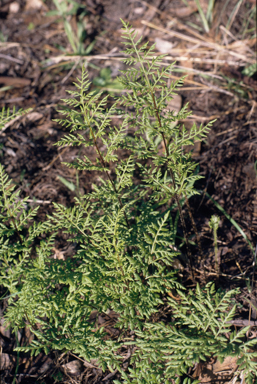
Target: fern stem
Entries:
(174, 186)
(177, 197)
(167, 155)
(11, 218)
(107, 174)
(171, 171)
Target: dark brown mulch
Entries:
(227, 157)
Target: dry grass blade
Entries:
(6, 45)
(176, 34)
(180, 25)
(210, 45)
(233, 14)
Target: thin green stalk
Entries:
(209, 14)
(232, 221)
(214, 225)
(205, 22)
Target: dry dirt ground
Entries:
(35, 71)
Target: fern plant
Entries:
(124, 236)
(6, 115)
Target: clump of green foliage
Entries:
(65, 9)
(124, 236)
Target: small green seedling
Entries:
(65, 9)
(105, 82)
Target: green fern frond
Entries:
(6, 115)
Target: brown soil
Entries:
(32, 76)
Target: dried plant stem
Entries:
(194, 228)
